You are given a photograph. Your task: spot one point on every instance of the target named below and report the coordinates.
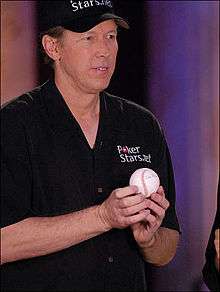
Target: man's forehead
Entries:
(104, 27)
(108, 25)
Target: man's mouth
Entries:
(101, 68)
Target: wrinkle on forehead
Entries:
(104, 27)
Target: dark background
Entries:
(168, 61)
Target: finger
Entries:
(130, 201)
(140, 217)
(126, 191)
(151, 220)
(158, 211)
(160, 200)
(134, 209)
(161, 191)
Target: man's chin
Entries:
(100, 86)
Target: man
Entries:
(70, 221)
(211, 267)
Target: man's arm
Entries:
(162, 248)
(217, 247)
(39, 236)
(210, 270)
(157, 244)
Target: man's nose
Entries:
(103, 49)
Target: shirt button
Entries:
(110, 259)
(99, 190)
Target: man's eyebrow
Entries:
(114, 30)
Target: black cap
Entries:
(78, 16)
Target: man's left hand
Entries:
(144, 231)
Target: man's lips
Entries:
(101, 71)
(101, 68)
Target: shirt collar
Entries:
(63, 122)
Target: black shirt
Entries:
(49, 169)
(210, 273)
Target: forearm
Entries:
(39, 236)
(162, 248)
(217, 263)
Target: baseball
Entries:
(146, 180)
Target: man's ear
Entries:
(51, 47)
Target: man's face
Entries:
(87, 60)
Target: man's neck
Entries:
(81, 104)
(85, 108)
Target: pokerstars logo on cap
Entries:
(86, 4)
(78, 16)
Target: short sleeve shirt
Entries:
(49, 169)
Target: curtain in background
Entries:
(172, 68)
(18, 46)
(182, 65)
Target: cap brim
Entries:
(119, 20)
(80, 25)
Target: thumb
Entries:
(135, 226)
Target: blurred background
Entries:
(169, 63)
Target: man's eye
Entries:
(87, 38)
(111, 36)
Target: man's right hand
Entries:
(124, 206)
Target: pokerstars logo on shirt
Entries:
(79, 5)
(132, 154)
